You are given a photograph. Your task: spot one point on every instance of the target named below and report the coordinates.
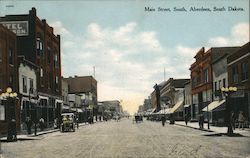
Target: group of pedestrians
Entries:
(29, 124)
(241, 120)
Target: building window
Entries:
(224, 82)
(235, 74)
(244, 69)
(48, 55)
(24, 78)
(56, 60)
(39, 45)
(219, 84)
(56, 79)
(31, 86)
(11, 81)
(2, 112)
(215, 86)
(198, 81)
(50, 79)
(205, 73)
(10, 56)
(41, 72)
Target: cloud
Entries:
(59, 28)
(239, 36)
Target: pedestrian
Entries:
(163, 120)
(202, 120)
(232, 119)
(77, 122)
(12, 131)
(89, 120)
(241, 120)
(28, 124)
(55, 123)
(186, 119)
(41, 123)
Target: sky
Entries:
(130, 47)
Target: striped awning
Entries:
(213, 105)
(177, 107)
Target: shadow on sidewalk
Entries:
(224, 134)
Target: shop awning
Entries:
(65, 107)
(186, 105)
(79, 110)
(177, 107)
(213, 105)
(151, 111)
(164, 111)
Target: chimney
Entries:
(33, 11)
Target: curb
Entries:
(206, 130)
(31, 137)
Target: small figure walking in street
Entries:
(163, 120)
(28, 124)
(12, 131)
(233, 119)
(241, 120)
(201, 121)
(77, 122)
(41, 123)
(56, 123)
(186, 119)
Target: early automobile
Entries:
(68, 123)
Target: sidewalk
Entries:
(214, 129)
(24, 136)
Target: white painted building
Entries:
(27, 88)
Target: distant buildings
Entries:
(82, 95)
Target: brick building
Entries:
(201, 82)
(239, 76)
(8, 77)
(172, 95)
(37, 42)
(86, 87)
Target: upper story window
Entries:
(41, 72)
(39, 44)
(244, 70)
(31, 86)
(205, 75)
(235, 73)
(56, 63)
(194, 81)
(24, 79)
(10, 56)
(215, 86)
(224, 82)
(11, 81)
(48, 55)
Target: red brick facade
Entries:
(8, 74)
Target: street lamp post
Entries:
(227, 92)
(9, 95)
